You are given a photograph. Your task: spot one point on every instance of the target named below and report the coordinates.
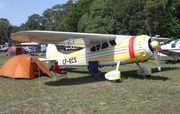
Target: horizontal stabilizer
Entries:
(44, 59)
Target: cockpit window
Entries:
(112, 42)
(104, 45)
(98, 47)
(93, 49)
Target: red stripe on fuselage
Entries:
(131, 47)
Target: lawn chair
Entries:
(62, 70)
(94, 70)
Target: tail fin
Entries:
(52, 52)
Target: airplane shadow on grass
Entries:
(133, 74)
(171, 61)
(76, 81)
(124, 75)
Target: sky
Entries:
(18, 11)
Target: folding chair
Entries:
(94, 70)
(62, 70)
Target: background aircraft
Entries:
(171, 49)
(106, 49)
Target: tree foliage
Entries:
(5, 30)
(33, 23)
(128, 17)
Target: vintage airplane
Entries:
(106, 49)
(170, 49)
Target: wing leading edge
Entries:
(57, 37)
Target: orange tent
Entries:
(23, 66)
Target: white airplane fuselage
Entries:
(126, 49)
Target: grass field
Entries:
(158, 94)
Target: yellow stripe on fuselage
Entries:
(76, 54)
(54, 54)
(140, 55)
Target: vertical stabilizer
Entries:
(52, 52)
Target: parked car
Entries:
(3, 48)
(30, 49)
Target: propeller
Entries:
(154, 45)
(157, 60)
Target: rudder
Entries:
(52, 51)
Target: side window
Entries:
(104, 45)
(173, 45)
(98, 47)
(93, 49)
(112, 42)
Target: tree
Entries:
(79, 8)
(48, 19)
(128, 17)
(159, 14)
(33, 23)
(98, 18)
(176, 14)
(13, 30)
(5, 31)
(62, 14)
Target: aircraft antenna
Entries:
(105, 31)
(149, 29)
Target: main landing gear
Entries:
(144, 71)
(115, 75)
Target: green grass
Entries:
(158, 94)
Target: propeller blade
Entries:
(157, 60)
(161, 39)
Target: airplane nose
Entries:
(154, 44)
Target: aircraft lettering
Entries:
(70, 60)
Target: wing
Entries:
(79, 42)
(58, 37)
